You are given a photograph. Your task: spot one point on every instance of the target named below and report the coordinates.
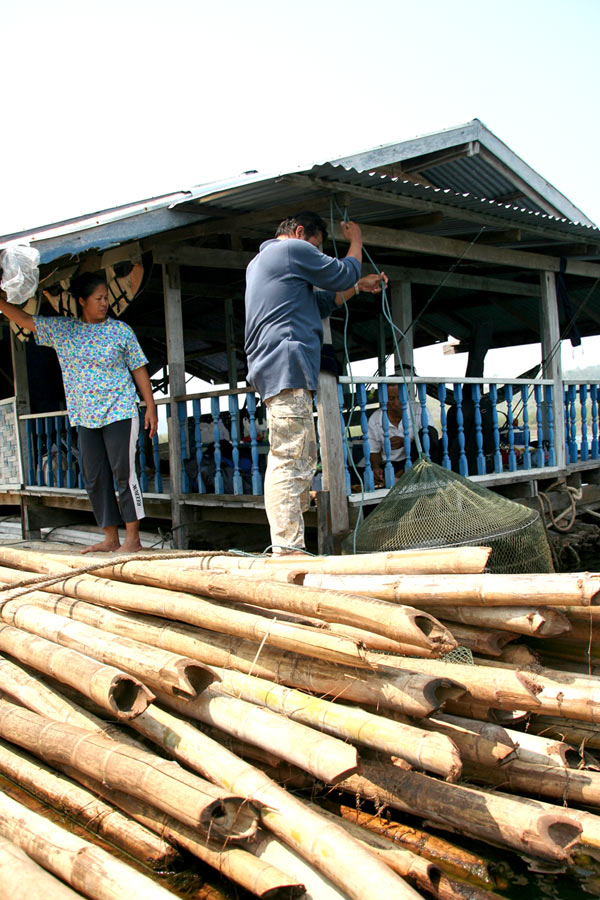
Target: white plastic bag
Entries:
(20, 272)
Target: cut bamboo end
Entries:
(186, 678)
(127, 697)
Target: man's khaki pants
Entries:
(290, 467)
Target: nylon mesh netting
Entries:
(429, 506)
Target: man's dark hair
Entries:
(312, 223)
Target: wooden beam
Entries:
(387, 197)
(421, 243)
(184, 255)
(331, 446)
(468, 282)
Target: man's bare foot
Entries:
(105, 546)
(129, 546)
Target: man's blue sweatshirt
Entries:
(283, 312)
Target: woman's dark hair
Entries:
(312, 222)
(85, 284)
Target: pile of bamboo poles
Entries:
(201, 704)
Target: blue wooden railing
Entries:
(484, 428)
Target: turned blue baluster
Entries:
(441, 391)
(197, 413)
(495, 427)
(549, 396)
(388, 469)
(463, 466)
(540, 455)
(238, 484)
(583, 395)
(476, 395)
(142, 451)
(183, 438)
(31, 451)
(49, 440)
(345, 437)
(158, 482)
(215, 412)
(573, 424)
(406, 423)
(594, 395)
(512, 457)
(70, 461)
(361, 396)
(526, 435)
(60, 475)
(257, 485)
(425, 440)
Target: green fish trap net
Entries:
(429, 506)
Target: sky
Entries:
(114, 102)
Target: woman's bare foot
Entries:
(129, 546)
(105, 546)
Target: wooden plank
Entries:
(551, 362)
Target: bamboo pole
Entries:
(481, 815)
(452, 859)
(475, 709)
(480, 640)
(87, 868)
(23, 879)
(424, 874)
(120, 694)
(520, 656)
(560, 693)
(538, 621)
(238, 864)
(498, 687)
(85, 808)
(482, 743)
(181, 676)
(417, 746)
(579, 786)
(326, 847)
(188, 798)
(291, 741)
(414, 694)
(406, 625)
(403, 624)
(468, 590)
(416, 562)
(573, 732)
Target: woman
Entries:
(102, 364)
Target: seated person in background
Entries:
(396, 435)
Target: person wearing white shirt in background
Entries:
(396, 436)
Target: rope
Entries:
(43, 581)
(573, 493)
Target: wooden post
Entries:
(332, 448)
(30, 523)
(401, 305)
(551, 362)
(176, 363)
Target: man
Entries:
(290, 286)
(396, 436)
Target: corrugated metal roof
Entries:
(252, 192)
